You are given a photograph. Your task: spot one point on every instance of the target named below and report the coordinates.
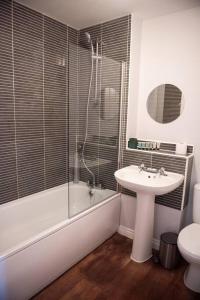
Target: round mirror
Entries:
(165, 103)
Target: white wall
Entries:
(169, 53)
(134, 71)
(166, 218)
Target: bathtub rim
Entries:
(53, 229)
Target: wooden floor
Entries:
(109, 274)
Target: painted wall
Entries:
(161, 219)
(169, 53)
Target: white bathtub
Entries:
(39, 242)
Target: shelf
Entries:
(161, 152)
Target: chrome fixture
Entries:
(142, 167)
(160, 171)
(95, 56)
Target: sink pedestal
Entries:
(146, 184)
(143, 236)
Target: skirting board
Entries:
(129, 233)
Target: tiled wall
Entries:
(114, 44)
(33, 101)
(55, 101)
(178, 198)
(8, 178)
(28, 99)
(44, 79)
(73, 96)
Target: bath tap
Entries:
(91, 182)
(91, 191)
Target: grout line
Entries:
(43, 106)
(99, 99)
(77, 91)
(67, 173)
(14, 100)
(184, 185)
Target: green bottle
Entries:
(132, 143)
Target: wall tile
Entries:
(113, 38)
(55, 101)
(8, 172)
(73, 95)
(28, 78)
(30, 154)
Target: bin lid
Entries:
(169, 238)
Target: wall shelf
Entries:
(161, 152)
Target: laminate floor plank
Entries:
(108, 273)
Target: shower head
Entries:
(88, 37)
(87, 40)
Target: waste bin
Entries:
(169, 255)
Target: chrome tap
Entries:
(147, 169)
(161, 171)
(142, 167)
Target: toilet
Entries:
(189, 245)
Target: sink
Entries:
(153, 183)
(146, 185)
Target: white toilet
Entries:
(189, 245)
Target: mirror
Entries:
(165, 103)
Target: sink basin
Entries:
(135, 180)
(146, 185)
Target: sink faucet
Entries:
(161, 171)
(147, 169)
(142, 167)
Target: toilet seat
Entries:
(189, 241)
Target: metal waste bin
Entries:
(168, 253)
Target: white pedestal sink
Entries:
(146, 185)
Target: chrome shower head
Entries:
(88, 37)
(88, 40)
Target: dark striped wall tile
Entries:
(73, 95)
(173, 199)
(171, 164)
(8, 173)
(189, 166)
(172, 103)
(28, 83)
(43, 124)
(55, 101)
(33, 114)
(104, 113)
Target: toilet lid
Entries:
(189, 239)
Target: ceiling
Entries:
(83, 13)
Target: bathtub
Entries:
(43, 235)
